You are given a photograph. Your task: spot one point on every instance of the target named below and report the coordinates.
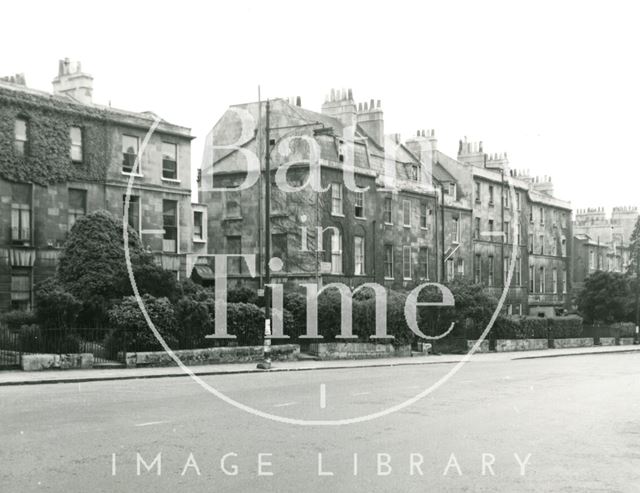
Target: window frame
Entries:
(168, 227)
(73, 145)
(24, 148)
(174, 161)
(358, 203)
(128, 156)
(337, 199)
(406, 262)
(406, 213)
(388, 262)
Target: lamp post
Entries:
(265, 364)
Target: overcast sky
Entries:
(554, 84)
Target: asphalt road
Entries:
(559, 424)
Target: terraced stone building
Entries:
(423, 216)
(63, 156)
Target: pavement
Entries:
(561, 424)
(18, 377)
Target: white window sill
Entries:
(170, 180)
(408, 226)
(388, 224)
(336, 214)
(199, 240)
(136, 175)
(389, 278)
(360, 218)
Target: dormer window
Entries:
(413, 172)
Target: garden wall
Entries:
(209, 356)
(38, 362)
(357, 350)
(484, 346)
(607, 341)
(504, 345)
(572, 342)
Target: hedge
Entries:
(537, 327)
(565, 327)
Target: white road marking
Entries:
(361, 393)
(323, 396)
(150, 423)
(285, 404)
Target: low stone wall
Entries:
(625, 341)
(357, 350)
(572, 342)
(504, 345)
(210, 356)
(38, 362)
(607, 341)
(484, 346)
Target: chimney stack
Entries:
(341, 106)
(371, 119)
(71, 81)
(17, 79)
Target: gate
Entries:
(107, 348)
(10, 352)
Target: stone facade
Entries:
(601, 242)
(424, 215)
(63, 156)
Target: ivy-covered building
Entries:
(62, 156)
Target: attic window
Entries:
(413, 172)
(272, 142)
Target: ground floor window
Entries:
(21, 289)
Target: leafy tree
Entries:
(55, 307)
(634, 270)
(605, 297)
(129, 322)
(472, 310)
(92, 266)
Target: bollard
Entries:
(636, 341)
(265, 364)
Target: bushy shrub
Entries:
(243, 294)
(194, 321)
(30, 339)
(246, 322)
(55, 307)
(565, 327)
(623, 329)
(519, 328)
(296, 305)
(396, 321)
(130, 324)
(15, 319)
